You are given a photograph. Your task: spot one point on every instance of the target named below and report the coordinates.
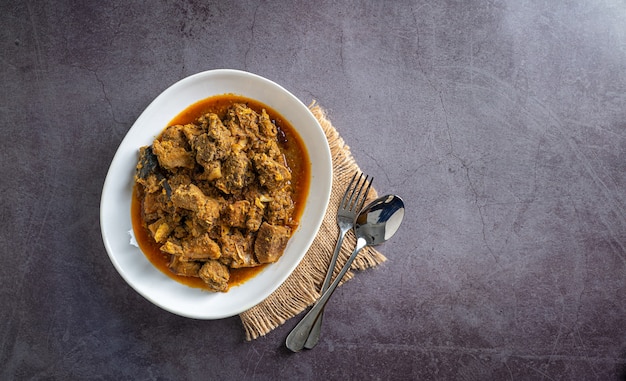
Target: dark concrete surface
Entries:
(501, 123)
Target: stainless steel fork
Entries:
(352, 202)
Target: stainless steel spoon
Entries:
(376, 223)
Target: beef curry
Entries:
(219, 192)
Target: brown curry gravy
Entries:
(295, 154)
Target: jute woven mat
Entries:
(302, 287)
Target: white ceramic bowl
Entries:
(115, 220)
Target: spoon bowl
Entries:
(379, 220)
(375, 224)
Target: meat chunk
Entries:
(271, 242)
(190, 197)
(174, 247)
(148, 163)
(175, 135)
(149, 174)
(215, 144)
(208, 150)
(201, 248)
(154, 206)
(215, 275)
(151, 204)
(242, 120)
(191, 132)
(237, 249)
(216, 129)
(272, 174)
(171, 155)
(184, 268)
(267, 129)
(160, 230)
(212, 171)
(279, 208)
(255, 218)
(235, 173)
(236, 214)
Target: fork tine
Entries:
(345, 194)
(347, 201)
(367, 190)
(358, 204)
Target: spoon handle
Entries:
(314, 334)
(298, 336)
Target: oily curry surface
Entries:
(219, 192)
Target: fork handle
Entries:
(314, 335)
(297, 338)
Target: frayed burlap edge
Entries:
(302, 287)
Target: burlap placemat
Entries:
(302, 287)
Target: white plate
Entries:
(115, 220)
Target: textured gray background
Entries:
(501, 123)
